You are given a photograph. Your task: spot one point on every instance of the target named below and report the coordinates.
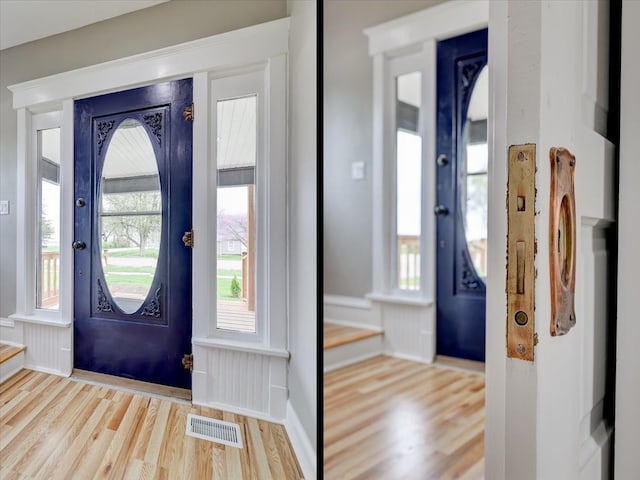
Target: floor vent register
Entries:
(214, 430)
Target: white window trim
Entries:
(416, 36)
(401, 65)
(27, 220)
(265, 44)
(269, 171)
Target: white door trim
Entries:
(627, 460)
(261, 47)
(238, 48)
(544, 418)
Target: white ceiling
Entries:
(23, 21)
(130, 153)
(237, 132)
(479, 103)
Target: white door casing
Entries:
(549, 86)
(627, 460)
(260, 368)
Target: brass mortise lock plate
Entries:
(562, 240)
(521, 250)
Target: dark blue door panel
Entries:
(149, 343)
(460, 290)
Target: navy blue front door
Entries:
(461, 183)
(132, 274)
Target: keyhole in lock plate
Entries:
(565, 241)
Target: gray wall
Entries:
(347, 130)
(166, 24)
(302, 194)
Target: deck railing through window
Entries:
(409, 262)
(49, 288)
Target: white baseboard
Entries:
(346, 323)
(413, 358)
(301, 444)
(351, 311)
(239, 411)
(5, 322)
(344, 301)
(51, 371)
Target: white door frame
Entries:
(627, 460)
(544, 89)
(260, 367)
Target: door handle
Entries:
(441, 210)
(79, 245)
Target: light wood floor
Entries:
(121, 383)
(56, 428)
(387, 418)
(335, 335)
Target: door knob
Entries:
(79, 245)
(441, 210)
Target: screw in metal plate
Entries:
(521, 349)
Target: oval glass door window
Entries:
(473, 171)
(130, 216)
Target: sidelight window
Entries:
(236, 153)
(407, 134)
(48, 215)
(408, 169)
(403, 177)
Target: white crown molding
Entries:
(223, 51)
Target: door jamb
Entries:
(627, 394)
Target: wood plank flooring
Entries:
(335, 335)
(56, 428)
(386, 418)
(127, 383)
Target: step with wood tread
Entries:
(336, 335)
(9, 351)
